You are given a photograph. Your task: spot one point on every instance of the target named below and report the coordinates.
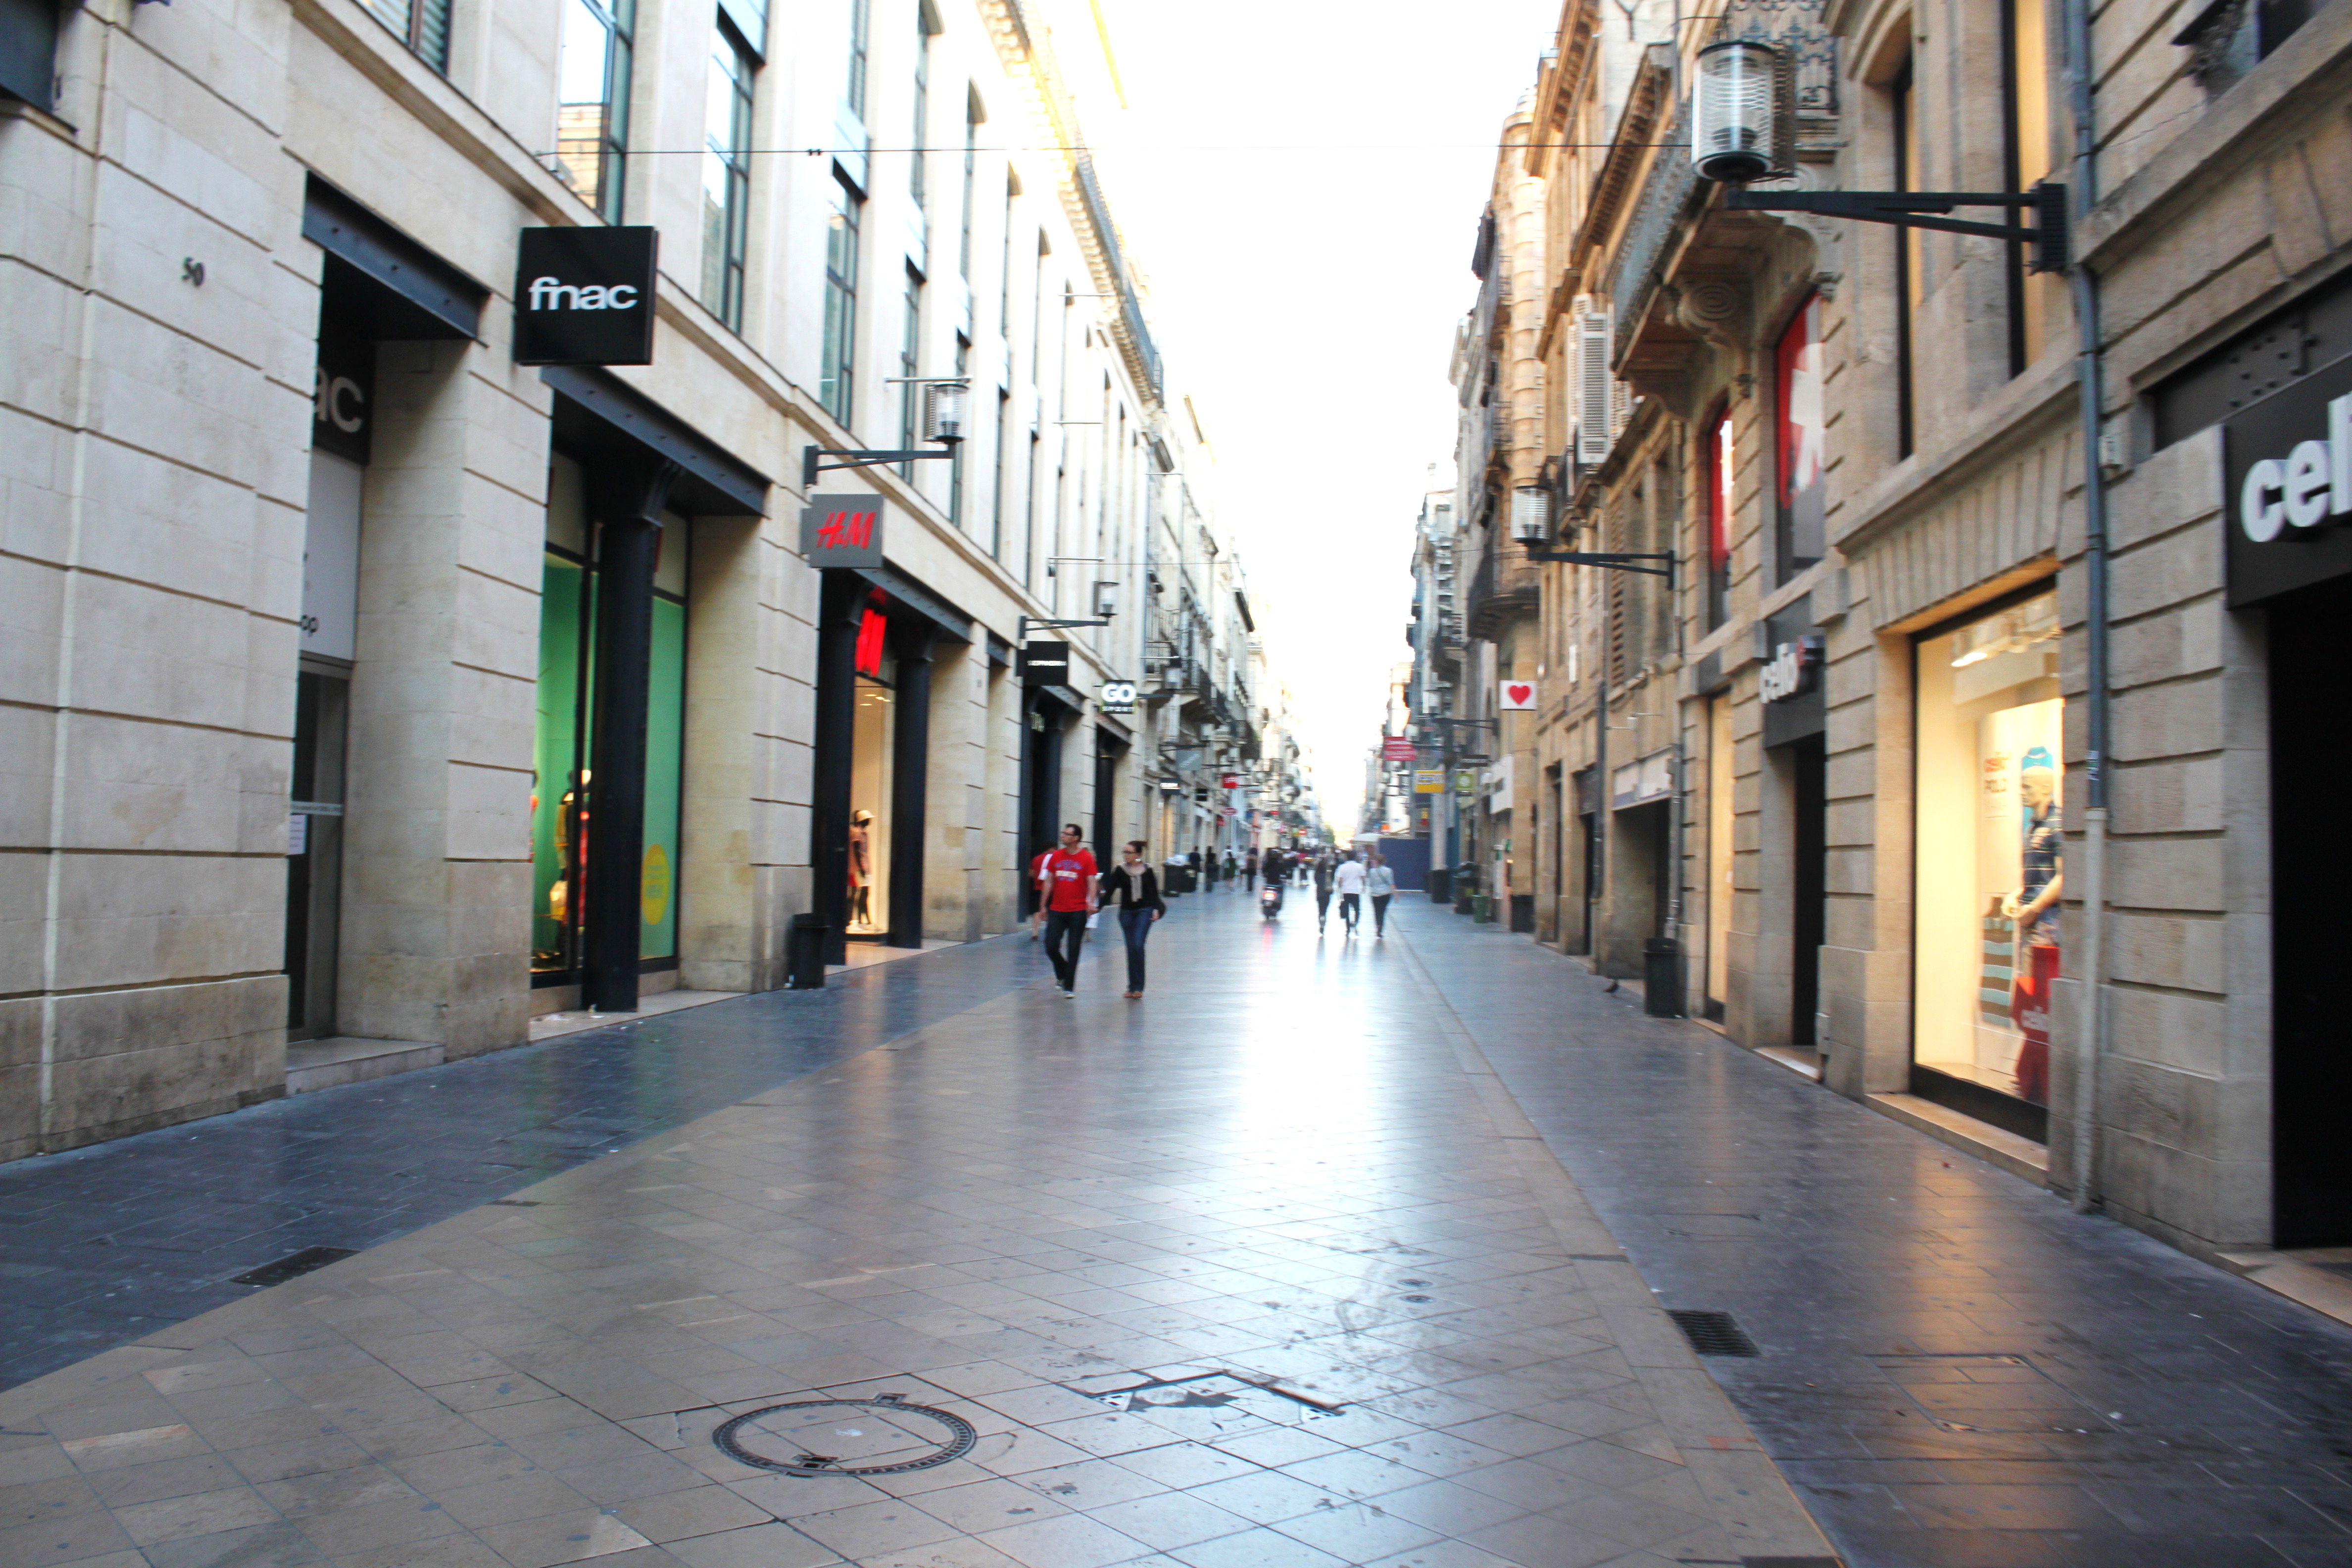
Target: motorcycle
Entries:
(1269, 900)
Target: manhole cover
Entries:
(884, 1436)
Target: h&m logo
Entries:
(554, 294)
(846, 529)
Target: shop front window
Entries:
(1991, 865)
(564, 767)
(870, 781)
(1802, 457)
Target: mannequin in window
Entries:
(2041, 865)
(861, 866)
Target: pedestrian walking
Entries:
(1249, 871)
(1322, 890)
(1070, 897)
(1132, 888)
(1233, 868)
(1349, 880)
(1380, 887)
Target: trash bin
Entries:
(1441, 885)
(805, 953)
(1482, 908)
(1662, 977)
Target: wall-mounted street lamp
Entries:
(1531, 514)
(947, 403)
(1741, 116)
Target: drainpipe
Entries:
(2092, 1028)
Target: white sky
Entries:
(1300, 184)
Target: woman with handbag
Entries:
(1132, 888)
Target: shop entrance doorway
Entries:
(2311, 861)
(1808, 883)
(314, 858)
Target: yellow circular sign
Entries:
(654, 886)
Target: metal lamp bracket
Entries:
(1905, 209)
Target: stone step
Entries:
(346, 1058)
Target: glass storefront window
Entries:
(871, 748)
(1991, 853)
(564, 769)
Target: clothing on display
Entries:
(1990, 848)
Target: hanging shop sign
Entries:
(1429, 780)
(1044, 662)
(585, 296)
(1231, 781)
(1466, 782)
(1517, 697)
(1116, 696)
(843, 531)
(1793, 670)
(1397, 749)
(2287, 465)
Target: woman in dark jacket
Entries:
(1132, 888)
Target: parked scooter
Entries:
(1269, 900)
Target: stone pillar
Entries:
(729, 936)
(436, 862)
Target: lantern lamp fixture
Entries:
(946, 402)
(1741, 111)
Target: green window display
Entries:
(563, 832)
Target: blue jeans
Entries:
(1135, 924)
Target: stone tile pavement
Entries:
(1267, 1269)
(1957, 1371)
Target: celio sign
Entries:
(585, 296)
(1791, 669)
(2287, 483)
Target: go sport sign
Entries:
(585, 296)
(2287, 465)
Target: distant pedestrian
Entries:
(1380, 885)
(1233, 868)
(1069, 882)
(1249, 871)
(1132, 888)
(1349, 880)
(1193, 864)
(1322, 890)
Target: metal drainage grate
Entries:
(1711, 1332)
(884, 1436)
(293, 1266)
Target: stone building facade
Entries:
(1831, 789)
(339, 642)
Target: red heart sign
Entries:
(1519, 694)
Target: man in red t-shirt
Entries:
(1068, 877)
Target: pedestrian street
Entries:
(1329, 1250)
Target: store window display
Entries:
(1990, 848)
(563, 785)
(870, 779)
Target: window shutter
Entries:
(1595, 411)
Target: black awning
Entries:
(592, 406)
(387, 285)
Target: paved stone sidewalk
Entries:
(1265, 1270)
(1958, 1371)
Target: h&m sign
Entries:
(585, 296)
(843, 531)
(2287, 465)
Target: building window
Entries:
(592, 113)
(1990, 857)
(2025, 96)
(955, 463)
(727, 174)
(1800, 453)
(910, 399)
(834, 386)
(855, 92)
(925, 26)
(1904, 102)
(1004, 437)
(1719, 468)
(422, 26)
(971, 119)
